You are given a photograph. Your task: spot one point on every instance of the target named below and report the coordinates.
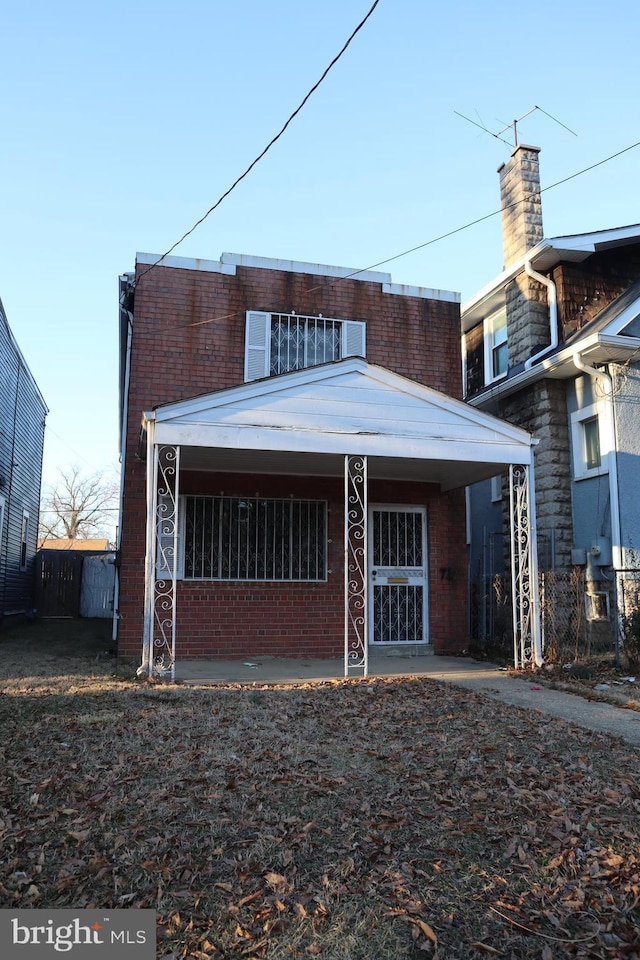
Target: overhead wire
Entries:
(488, 216)
(443, 236)
(268, 146)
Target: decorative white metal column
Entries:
(162, 560)
(527, 649)
(356, 648)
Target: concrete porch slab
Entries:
(309, 670)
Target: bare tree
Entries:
(79, 506)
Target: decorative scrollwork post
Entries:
(355, 565)
(524, 568)
(163, 561)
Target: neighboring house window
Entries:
(280, 342)
(242, 538)
(24, 539)
(496, 347)
(586, 443)
(591, 442)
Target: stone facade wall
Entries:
(527, 319)
(542, 409)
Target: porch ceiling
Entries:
(448, 474)
(305, 422)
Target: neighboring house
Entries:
(295, 451)
(553, 345)
(22, 418)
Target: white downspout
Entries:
(607, 389)
(123, 451)
(552, 300)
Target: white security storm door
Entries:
(398, 574)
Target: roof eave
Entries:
(599, 348)
(544, 256)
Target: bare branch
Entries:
(78, 506)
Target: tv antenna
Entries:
(513, 125)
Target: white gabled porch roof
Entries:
(306, 421)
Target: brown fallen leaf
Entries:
(424, 928)
(479, 945)
(275, 880)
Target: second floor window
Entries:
(281, 342)
(497, 351)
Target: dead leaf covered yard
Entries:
(360, 819)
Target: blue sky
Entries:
(124, 122)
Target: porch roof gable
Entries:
(348, 406)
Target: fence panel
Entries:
(58, 579)
(98, 582)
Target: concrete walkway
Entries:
(464, 672)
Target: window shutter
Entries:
(165, 541)
(257, 344)
(354, 338)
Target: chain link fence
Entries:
(578, 617)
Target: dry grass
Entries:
(350, 820)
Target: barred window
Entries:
(298, 342)
(234, 538)
(278, 343)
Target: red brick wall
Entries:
(175, 356)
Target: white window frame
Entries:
(496, 489)
(257, 354)
(490, 345)
(578, 420)
(24, 541)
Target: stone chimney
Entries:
(526, 299)
(521, 203)
(540, 408)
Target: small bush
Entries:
(630, 628)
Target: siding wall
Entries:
(175, 356)
(22, 415)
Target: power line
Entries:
(473, 223)
(442, 236)
(266, 149)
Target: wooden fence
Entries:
(74, 583)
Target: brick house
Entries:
(295, 451)
(553, 345)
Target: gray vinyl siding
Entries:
(589, 496)
(626, 398)
(22, 416)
